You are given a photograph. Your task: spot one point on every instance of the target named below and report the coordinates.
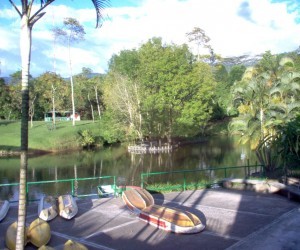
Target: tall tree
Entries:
(72, 31)
(266, 101)
(28, 19)
(198, 36)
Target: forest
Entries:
(165, 91)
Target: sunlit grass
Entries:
(43, 137)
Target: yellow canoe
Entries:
(73, 245)
(171, 219)
(141, 202)
(137, 199)
(11, 235)
(38, 233)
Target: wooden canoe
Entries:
(67, 206)
(38, 232)
(73, 245)
(4, 206)
(141, 202)
(11, 235)
(137, 199)
(46, 248)
(47, 209)
(172, 220)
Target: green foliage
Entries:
(267, 99)
(86, 138)
(288, 143)
(47, 86)
(168, 187)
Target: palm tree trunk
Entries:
(25, 49)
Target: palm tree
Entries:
(28, 19)
(266, 101)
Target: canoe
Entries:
(4, 206)
(141, 202)
(11, 235)
(137, 199)
(171, 220)
(73, 245)
(67, 206)
(107, 190)
(39, 232)
(46, 248)
(47, 209)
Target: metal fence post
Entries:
(142, 180)
(72, 187)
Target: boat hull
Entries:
(39, 232)
(141, 202)
(67, 206)
(137, 199)
(47, 209)
(171, 220)
(4, 207)
(73, 245)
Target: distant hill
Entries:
(7, 79)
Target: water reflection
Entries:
(116, 161)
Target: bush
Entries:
(86, 138)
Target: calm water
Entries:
(116, 161)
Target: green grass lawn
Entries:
(43, 137)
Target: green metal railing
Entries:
(71, 181)
(185, 185)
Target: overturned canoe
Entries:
(171, 219)
(39, 232)
(47, 209)
(137, 199)
(141, 202)
(67, 206)
(107, 190)
(11, 235)
(73, 245)
(4, 207)
(46, 248)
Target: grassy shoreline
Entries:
(65, 137)
(42, 138)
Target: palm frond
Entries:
(99, 6)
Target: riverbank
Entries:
(64, 137)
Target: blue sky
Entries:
(236, 27)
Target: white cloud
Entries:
(234, 31)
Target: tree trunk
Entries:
(25, 49)
(92, 108)
(53, 106)
(98, 104)
(72, 85)
(31, 111)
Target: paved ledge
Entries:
(234, 219)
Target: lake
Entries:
(117, 161)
